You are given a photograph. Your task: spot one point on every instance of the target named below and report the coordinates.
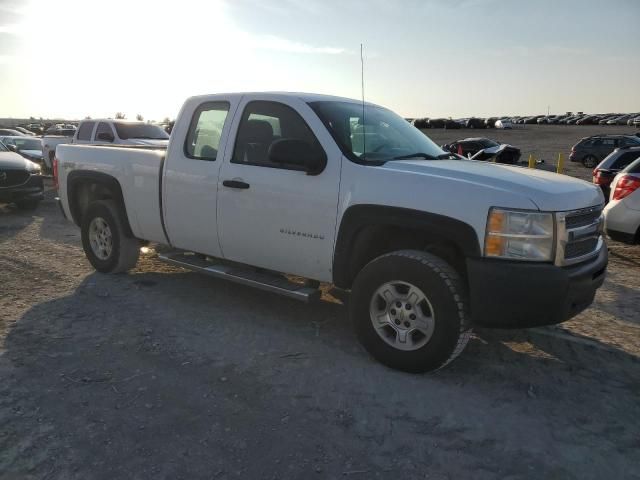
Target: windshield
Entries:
(3, 148)
(486, 143)
(373, 134)
(24, 143)
(140, 130)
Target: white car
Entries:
(504, 124)
(255, 186)
(120, 132)
(622, 213)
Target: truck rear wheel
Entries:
(410, 311)
(105, 243)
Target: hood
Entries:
(549, 191)
(13, 161)
(147, 141)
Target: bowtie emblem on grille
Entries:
(3, 176)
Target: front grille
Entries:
(582, 218)
(579, 235)
(12, 178)
(580, 248)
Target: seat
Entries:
(254, 140)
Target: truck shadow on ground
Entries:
(169, 374)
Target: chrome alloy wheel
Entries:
(402, 315)
(100, 238)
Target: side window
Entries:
(609, 142)
(261, 124)
(203, 138)
(104, 127)
(84, 132)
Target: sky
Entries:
(78, 58)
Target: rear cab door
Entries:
(104, 128)
(280, 219)
(191, 172)
(84, 134)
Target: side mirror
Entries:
(106, 137)
(290, 152)
(12, 147)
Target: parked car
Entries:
(28, 147)
(20, 180)
(10, 132)
(504, 124)
(606, 118)
(532, 120)
(636, 122)
(490, 122)
(481, 148)
(474, 122)
(421, 123)
(50, 143)
(120, 132)
(61, 131)
(275, 168)
(617, 160)
(622, 213)
(631, 119)
(451, 124)
(24, 131)
(618, 120)
(587, 120)
(592, 150)
(436, 122)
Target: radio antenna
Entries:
(364, 136)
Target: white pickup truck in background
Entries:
(120, 132)
(256, 186)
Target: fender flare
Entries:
(358, 217)
(78, 177)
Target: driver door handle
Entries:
(235, 184)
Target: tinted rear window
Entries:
(625, 159)
(633, 168)
(140, 130)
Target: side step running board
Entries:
(270, 282)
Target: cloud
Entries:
(544, 50)
(11, 29)
(272, 42)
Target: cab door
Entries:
(270, 215)
(190, 183)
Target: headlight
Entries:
(519, 235)
(35, 169)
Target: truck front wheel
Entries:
(105, 243)
(410, 311)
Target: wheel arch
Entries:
(85, 186)
(368, 231)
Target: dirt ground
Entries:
(167, 374)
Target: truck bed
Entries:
(138, 170)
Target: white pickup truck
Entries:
(258, 185)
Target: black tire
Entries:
(124, 251)
(27, 204)
(446, 294)
(590, 161)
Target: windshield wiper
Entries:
(426, 156)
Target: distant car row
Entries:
(630, 119)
